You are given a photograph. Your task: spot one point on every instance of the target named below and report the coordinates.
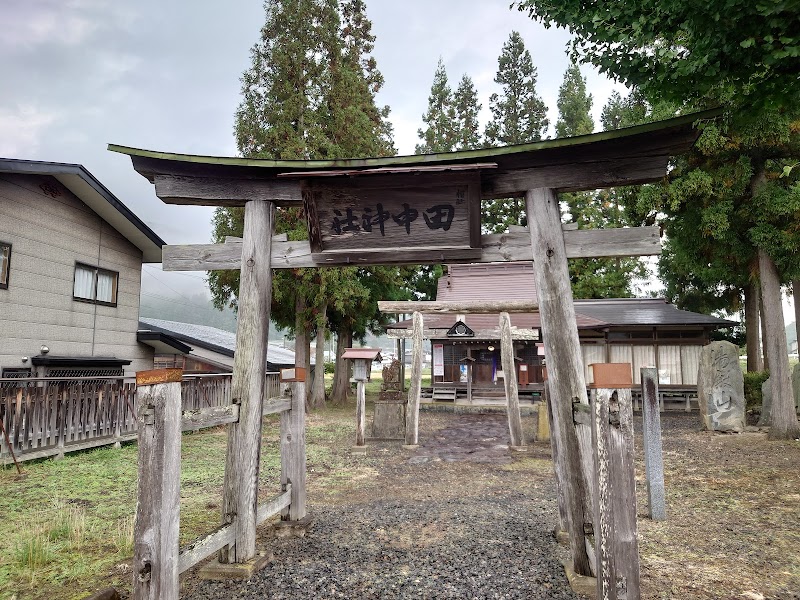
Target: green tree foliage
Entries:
(519, 116)
(468, 136)
(682, 50)
(574, 105)
(592, 277)
(746, 57)
(440, 133)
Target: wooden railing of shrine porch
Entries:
(445, 187)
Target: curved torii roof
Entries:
(626, 156)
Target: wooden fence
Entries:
(47, 417)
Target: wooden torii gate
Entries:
(407, 210)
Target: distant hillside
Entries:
(195, 309)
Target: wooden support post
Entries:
(554, 451)
(564, 360)
(510, 382)
(240, 493)
(293, 453)
(415, 389)
(155, 532)
(615, 497)
(360, 409)
(469, 382)
(653, 458)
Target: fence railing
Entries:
(48, 417)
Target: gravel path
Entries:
(461, 524)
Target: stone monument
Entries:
(766, 404)
(390, 407)
(720, 388)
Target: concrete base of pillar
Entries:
(293, 528)
(220, 571)
(581, 584)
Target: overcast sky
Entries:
(79, 74)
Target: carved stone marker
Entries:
(766, 404)
(390, 407)
(720, 388)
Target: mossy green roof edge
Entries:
(419, 159)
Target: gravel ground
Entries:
(464, 524)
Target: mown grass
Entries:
(66, 526)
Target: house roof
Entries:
(97, 197)
(216, 340)
(589, 314)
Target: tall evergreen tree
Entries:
(519, 116)
(440, 133)
(309, 93)
(574, 105)
(467, 108)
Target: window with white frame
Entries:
(96, 285)
(5, 263)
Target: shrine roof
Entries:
(667, 137)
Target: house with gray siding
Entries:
(71, 259)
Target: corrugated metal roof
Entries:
(215, 339)
(645, 312)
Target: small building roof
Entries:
(96, 196)
(362, 353)
(216, 340)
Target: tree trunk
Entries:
(784, 425)
(764, 332)
(301, 357)
(341, 375)
(317, 399)
(751, 321)
(796, 294)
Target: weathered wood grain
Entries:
(209, 417)
(415, 387)
(293, 453)
(360, 410)
(475, 307)
(224, 534)
(590, 175)
(240, 493)
(498, 247)
(615, 498)
(276, 405)
(155, 534)
(653, 455)
(510, 381)
(558, 463)
(564, 360)
(213, 191)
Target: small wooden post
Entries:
(564, 360)
(293, 452)
(653, 457)
(361, 405)
(543, 425)
(155, 533)
(415, 389)
(510, 382)
(240, 493)
(615, 497)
